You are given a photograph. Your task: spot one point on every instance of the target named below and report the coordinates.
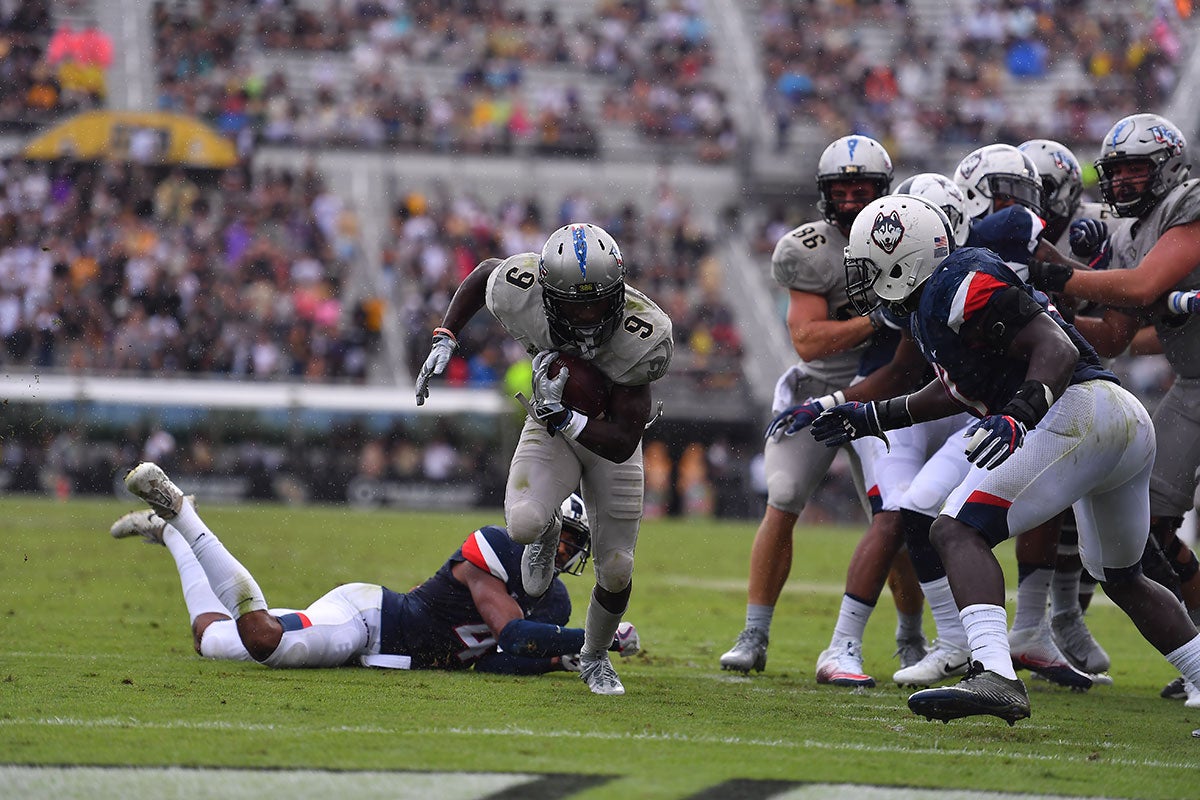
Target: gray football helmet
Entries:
(994, 170)
(1142, 137)
(946, 195)
(895, 245)
(575, 541)
(851, 158)
(1062, 180)
(582, 276)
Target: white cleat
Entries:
(537, 561)
(626, 642)
(144, 523)
(151, 484)
(841, 665)
(598, 673)
(943, 662)
(1193, 694)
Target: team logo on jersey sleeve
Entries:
(887, 231)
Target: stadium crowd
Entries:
(120, 268)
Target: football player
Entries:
(830, 340)
(1144, 168)
(1055, 427)
(572, 297)
(473, 612)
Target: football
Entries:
(587, 389)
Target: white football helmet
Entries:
(575, 541)
(945, 194)
(1144, 137)
(895, 245)
(851, 158)
(996, 170)
(582, 276)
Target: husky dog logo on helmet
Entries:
(887, 231)
(969, 164)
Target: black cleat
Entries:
(980, 692)
(1174, 690)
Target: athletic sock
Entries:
(1064, 592)
(852, 619)
(1033, 589)
(908, 626)
(232, 583)
(945, 612)
(987, 631)
(197, 594)
(1186, 659)
(599, 628)
(759, 617)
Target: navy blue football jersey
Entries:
(959, 296)
(437, 623)
(1011, 233)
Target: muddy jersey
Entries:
(1179, 334)
(811, 259)
(437, 623)
(638, 353)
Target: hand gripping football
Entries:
(587, 389)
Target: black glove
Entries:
(1048, 276)
(1086, 237)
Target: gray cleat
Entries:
(537, 561)
(1076, 642)
(748, 652)
(598, 673)
(151, 484)
(980, 692)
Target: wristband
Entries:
(572, 426)
(1030, 403)
(893, 413)
(447, 332)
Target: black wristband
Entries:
(1030, 403)
(1048, 276)
(893, 413)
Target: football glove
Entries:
(569, 663)
(847, 422)
(1184, 302)
(1048, 276)
(547, 391)
(1086, 236)
(993, 440)
(795, 419)
(444, 345)
(626, 642)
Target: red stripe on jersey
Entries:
(979, 292)
(874, 491)
(985, 499)
(472, 553)
(304, 619)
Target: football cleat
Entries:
(151, 484)
(841, 665)
(1034, 650)
(626, 643)
(911, 649)
(980, 692)
(943, 662)
(144, 523)
(598, 673)
(1193, 694)
(1175, 690)
(537, 561)
(748, 652)
(1076, 642)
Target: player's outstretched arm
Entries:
(467, 300)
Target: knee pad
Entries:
(614, 571)
(783, 492)
(925, 559)
(526, 519)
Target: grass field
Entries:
(96, 668)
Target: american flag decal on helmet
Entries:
(941, 247)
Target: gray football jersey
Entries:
(810, 259)
(1180, 335)
(638, 353)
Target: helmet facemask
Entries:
(585, 321)
(1120, 194)
(582, 275)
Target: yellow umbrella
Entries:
(153, 137)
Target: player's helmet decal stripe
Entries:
(851, 146)
(579, 237)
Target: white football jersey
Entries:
(638, 353)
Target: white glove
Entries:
(444, 345)
(547, 391)
(569, 663)
(626, 643)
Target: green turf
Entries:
(96, 668)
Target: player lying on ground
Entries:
(472, 612)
